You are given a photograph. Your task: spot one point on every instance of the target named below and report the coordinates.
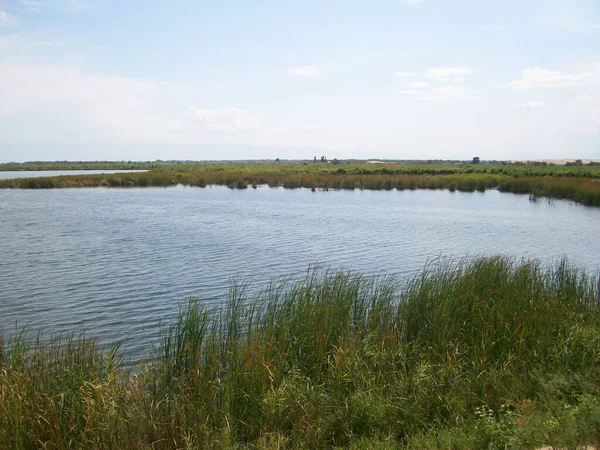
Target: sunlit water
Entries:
(119, 262)
(11, 174)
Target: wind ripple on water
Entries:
(120, 263)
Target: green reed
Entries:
(350, 167)
(579, 185)
(487, 352)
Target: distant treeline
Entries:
(73, 165)
(351, 167)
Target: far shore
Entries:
(559, 162)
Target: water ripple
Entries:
(120, 263)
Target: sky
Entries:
(230, 79)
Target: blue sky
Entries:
(405, 79)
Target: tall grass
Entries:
(350, 167)
(582, 187)
(478, 353)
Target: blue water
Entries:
(118, 262)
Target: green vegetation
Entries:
(74, 165)
(480, 353)
(325, 167)
(576, 184)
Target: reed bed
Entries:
(583, 190)
(350, 167)
(487, 352)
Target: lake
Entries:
(11, 174)
(119, 262)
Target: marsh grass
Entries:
(350, 167)
(582, 188)
(479, 353)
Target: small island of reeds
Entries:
(579, 183)
(487, 352)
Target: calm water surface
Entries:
(118, 262)
(11, 174)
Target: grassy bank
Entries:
(481, 353)
(584, 190)
(350, 167)
(577, 183)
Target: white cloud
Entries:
(68, 104)
(490, 27)
(306, 71)
(6, 20)
(442, 94)
(597, 26)
(226, 119)
(534, 104)
(583, 114)
(313, 127)
(455, 74)
(536, 77)
(404, 74)
(47, 88)
(449, 93)
(411, 2)
(418, 84)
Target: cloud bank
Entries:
(226, 119)
(536, 77)
(306, 71)
(534, 104)
(453, 74)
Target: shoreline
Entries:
(470, 354)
